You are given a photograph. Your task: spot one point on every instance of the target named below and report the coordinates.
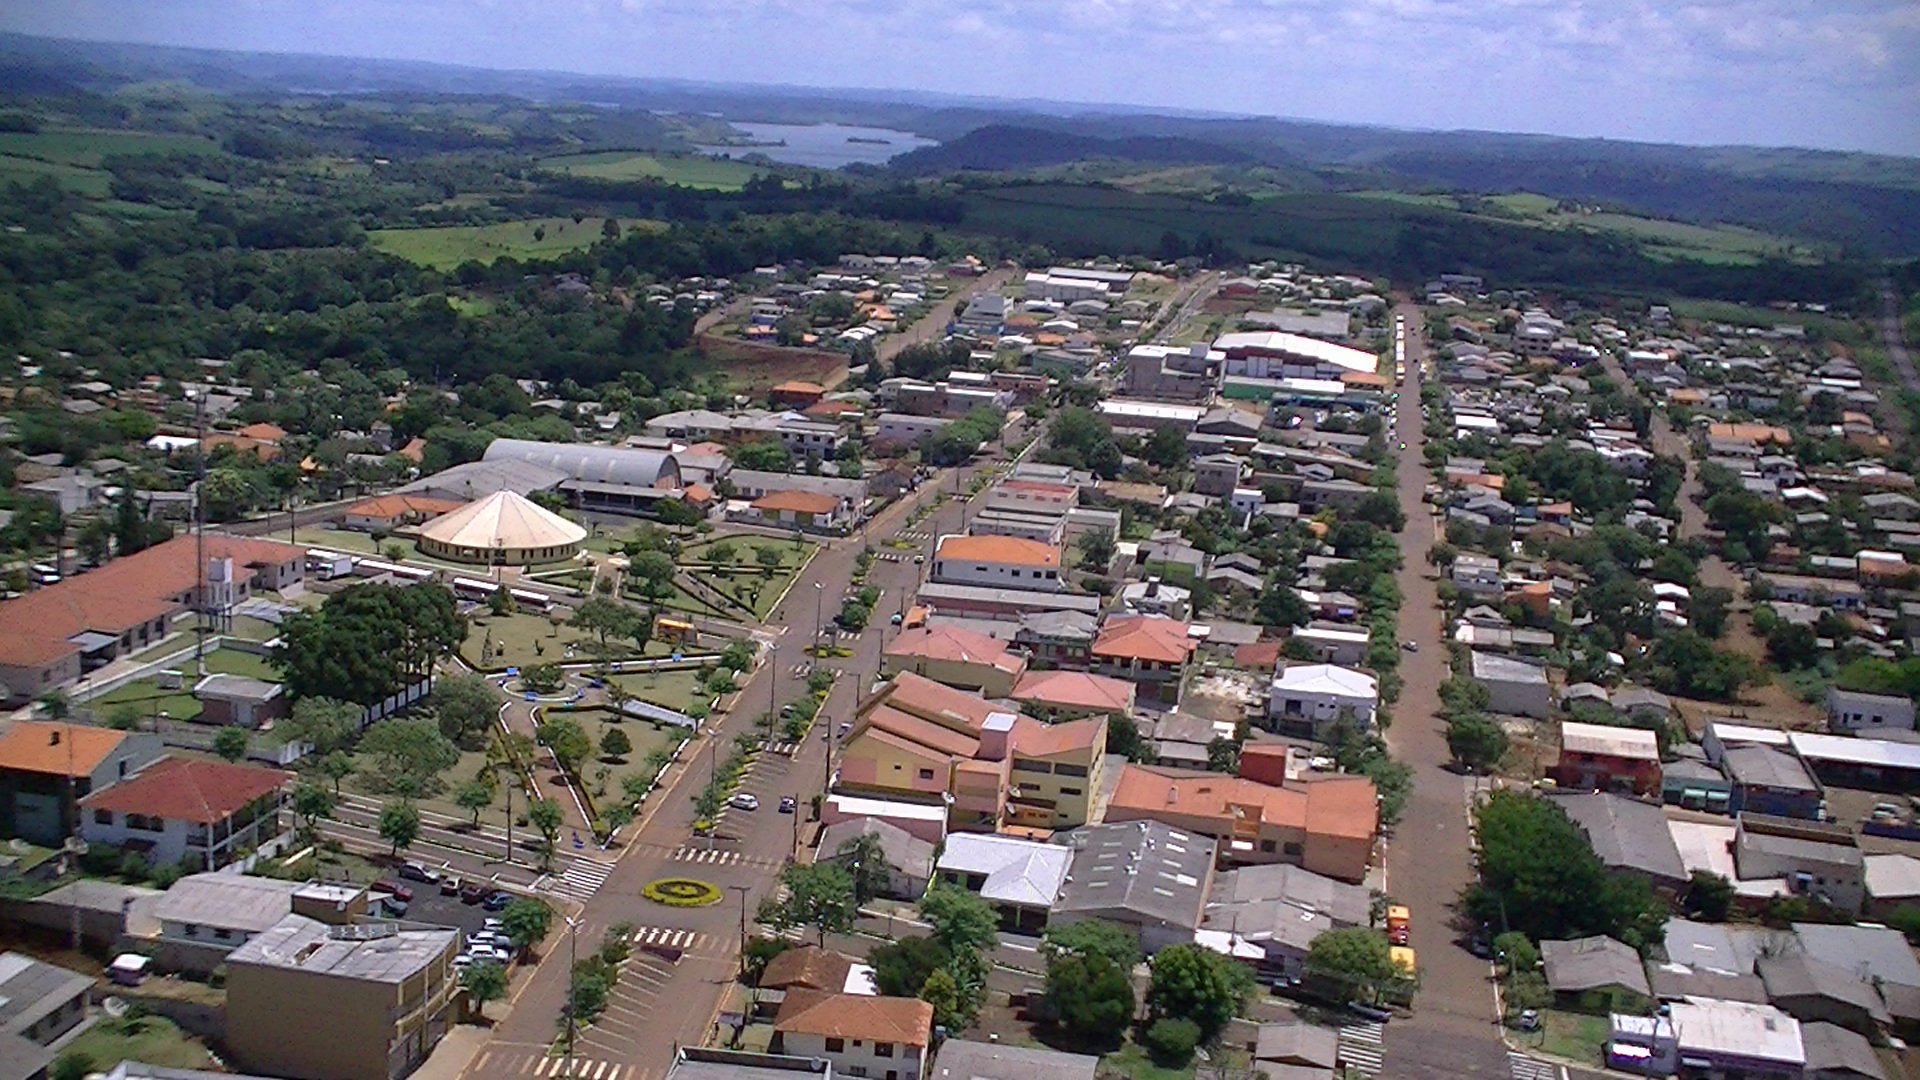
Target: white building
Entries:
(1515, 688)
(1312, 695)
(884, 1038)
(1275, 355)
(1002, 562)
(903, 430)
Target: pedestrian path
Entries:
(675, 938)
(580, 880)
(1526, 1068)
(554, 1067)
(696, 853)
(1363, 1047)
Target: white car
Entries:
(744, 801)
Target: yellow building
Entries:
(364, 1001)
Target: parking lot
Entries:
(768, 781)
(1852, 806)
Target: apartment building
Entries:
(1326, 825)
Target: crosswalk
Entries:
(1363, 1046)
(554, 1067)
(799, 669)
(676, 938)
(920, 535)
(1526, 1068)
(695, 853)
(580, 880)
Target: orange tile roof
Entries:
(1754, 433)
(119, 596)
(1075, 689)
(1261, 655)
(396, 505)
(241, 444)
(807, 967)
(263, 431)
(1011, 550)
(1031, 738)
(38, 746)
(1144, 637)
(954, 644)
(1343, 806)
(415, 450)
(797, 386)
(799, 502)
(697, 493)
(1039, 487)
(827, 410)
(183, 789)
(1365, 378)
(934, 701)
(921, 732)
(908, 1021)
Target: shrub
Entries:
(1171, 1040)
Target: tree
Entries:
(854, 615)
(1223, 755)
(466, 709)
(818, 895)
(960, 922)
(762, 455)
(1166, 448)
(615, 745)
(1355, 959)
(1687, 664)
(769, 559)
(566, 738)
(336, 767)
(1515, 952)
(324, 723)
(1195, 983)
(484, 982)
(311, 802)
(230, 742)
(408, 752)
(1709, 897)
(1096, 551)
(604, 617)
(526, 921)
(399, 825)
(95, 541)
(1172, 1040)
(545, 816)
(1093, 938)
(1540, 876)
(1090, 996)
(866, 861)
(653, 571)
(1476, 742)
(1906, 919)
(72, 1065)
(1123, 738)
(367, 642)
(1280, 605)
(901, 968)
(474, 796)
(943, 992)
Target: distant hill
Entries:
(1009, 146)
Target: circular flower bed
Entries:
(681, 892)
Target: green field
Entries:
(712, 174)
(155, 1040)
(522, 639)
(602, 775)
(73, 157)
(445, 247)
(147, 696)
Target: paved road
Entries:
(933, 325)
(1892, 336)
(1452, 1032)
(659, 1005)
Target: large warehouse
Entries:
(502, 529)
(611, 479)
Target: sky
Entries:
(1830, 74)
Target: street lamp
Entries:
(819, 598)
(742, 890)
(573, 1000)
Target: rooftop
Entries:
(504, 519)
(1593, 963)
(1625, 833)
(1144, 637)
(965, 1059)
(231, 901)
(297, 943)
(1738, 1029)
(1343, 806)
(955, 645)
(1506, 669)
(1326, 679)
(30, 989)
(36, 746)
(1623, 742)
(188, 789)
(1142, 868)
(1023, 872)
(907, 1021)
(1074, 690)
(1008, 550)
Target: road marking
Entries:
(1526, 1068)
(580, 880)
(1363, 1046)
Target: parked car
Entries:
(449, 886)
(473, 892)
(497, 901)
(413, 871)
(919, 560)
(787, 804)
(1528, 1020)
(787, 711)
(1410, 646)
(897, 619)
(744, 801)
(394, 889)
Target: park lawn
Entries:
(741, 586)
(470, 765)
(151, 700)
(684, 601)
(522, 638)
(643, 735)
(792, 552)
(711, 174)
(444, 247)
(679, 690)
(154, 1040)
(1132, 1061)
(1574, 1036)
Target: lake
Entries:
(822, 146)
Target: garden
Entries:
(521, 639)
(745, 574)
(146, 698)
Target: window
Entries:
(1266, 846)
(222, 934)
(926, 774)
(1072, 791)
(856, 1070)
(1291, 847)
(103, 817)
(881, 1049)
(835, 1046)
(193, 930)
(1070, 770)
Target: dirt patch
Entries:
(754, 368)
(1223, 698)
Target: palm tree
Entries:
(866, 860)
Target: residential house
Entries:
(1273, 913)
(240, 700)
(201, 918)
(1813, 859)
(1148, 651)
(1852, 712)
(1515, 687)
(998, 562)
(1146, 876)
(1327, 825)
(1020, 878)
(389, 991)
(956, 657)
(810, 967)
(1630, 836)
(1296, 1050)
(966, 1059)
(1893, 879)
(388, 513)
(1595, 757)
(186, 811)
(1218, 474)
(1809, 988)
(1835, 1053)
(1770, 781)
(1309, 697)
(1477, 575)
(47, 768)
(1729, 1038)
(1074, 693)
(1346, 645)
(1063, 639)
(1595, 974)
(884, 1038)
(39, 1002)
(909, 858)
(808, 511)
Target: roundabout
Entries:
(681, 892)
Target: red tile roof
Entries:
(1341, 806)
(119, 596)
(1144, 637)
(799, 502)
(908, 1021)
(956, 645)
(183, 789)
(396, 505)
(1011, 550)
(1075, 690)
(1033, 739)
(36, 746)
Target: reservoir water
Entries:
(823, 146)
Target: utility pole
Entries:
(200, 533)
(573, 968)
(742, 890)
(713, 777)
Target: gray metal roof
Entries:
(582, 461)
(1625, 833)
(905, 851)
(1593, 963)
(1765, 766)
(1882, 953)
(1834, 1051)
(1797, 975)
(1137, 871)
(1349, 905)
(709, 1063)
(227, 901)
(30, 989)
(965, 1059)
(478, 479)
(297, 943)
(20, 1057)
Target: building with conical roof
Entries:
(502, 529)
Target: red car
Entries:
(400, 892)
(473, 892)
(1398, 935)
